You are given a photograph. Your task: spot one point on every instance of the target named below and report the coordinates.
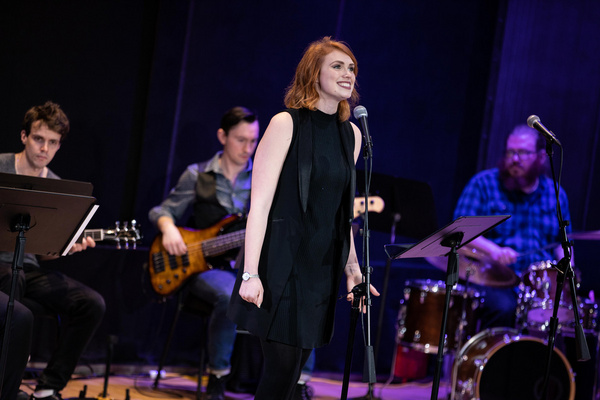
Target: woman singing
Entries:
(298, 235)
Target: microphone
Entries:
(534, 122)
(360, 113)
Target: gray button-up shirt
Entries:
(232, 196)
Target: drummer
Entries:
(518, 187)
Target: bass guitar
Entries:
(168, 273)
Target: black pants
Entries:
(18, 346)
(81, 310)
(281, 370)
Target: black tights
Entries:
(281, 370)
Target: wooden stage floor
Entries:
(177, 386)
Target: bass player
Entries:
(212, 190)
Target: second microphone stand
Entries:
(565, 271)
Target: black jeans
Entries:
(18, 346)
(80, 309)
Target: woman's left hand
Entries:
(356, 278)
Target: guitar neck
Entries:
(220, 244)
(96, 234)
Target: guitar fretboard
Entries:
(220, 244)
(96, 234)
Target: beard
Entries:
(529, 177)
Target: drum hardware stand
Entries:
(460, 330)
(463, 312)
(597, 367)
(565, 271)
(454, 235)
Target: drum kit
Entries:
(497, 360)
(486, 362)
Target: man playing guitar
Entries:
(44, 129)
(212, 189)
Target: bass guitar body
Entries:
(168, 273)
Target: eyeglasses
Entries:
(522, 154)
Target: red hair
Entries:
(302, 92)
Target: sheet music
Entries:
(81, 228)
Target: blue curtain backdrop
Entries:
(146, 82)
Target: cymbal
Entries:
(479, 272)
(589, 235)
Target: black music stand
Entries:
(53, 218)
(409, 212)
(454, 235)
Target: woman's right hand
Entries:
(252, 291)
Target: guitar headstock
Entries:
(127, 233)
(376, 204)
(124, 234)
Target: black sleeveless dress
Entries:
(307, 238)
(307, 293)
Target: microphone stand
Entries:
(370, 395)
(565, 270)
(369, 358)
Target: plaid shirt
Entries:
(533, 226)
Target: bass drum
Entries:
(498, 364)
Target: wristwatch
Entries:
(246, 276)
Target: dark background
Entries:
(145, 83)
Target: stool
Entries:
(189, 303)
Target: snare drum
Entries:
(499, 364)
(588, 317)
(537, 292)
(421, 312)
